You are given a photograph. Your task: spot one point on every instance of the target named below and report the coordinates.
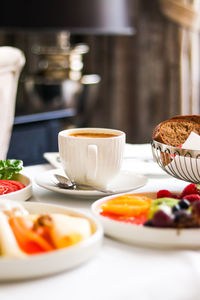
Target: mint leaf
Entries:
(10, 167)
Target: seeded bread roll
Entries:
(174, 132)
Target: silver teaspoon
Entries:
(66, 183)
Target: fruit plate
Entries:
(164, 238)
(23, 194)
(56, 261)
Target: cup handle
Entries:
(92, 162)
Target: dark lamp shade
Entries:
(76, 16)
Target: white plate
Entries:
(147, 236)
(55, 261)
(125, 181)
(23, 194)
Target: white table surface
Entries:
(118, 271)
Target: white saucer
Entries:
(124, 182)
(162, 238)
(56, 261)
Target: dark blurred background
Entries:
(90, 63)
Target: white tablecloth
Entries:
(118, 271)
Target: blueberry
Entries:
(184, 204)
(176, 208)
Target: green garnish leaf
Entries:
(10, 167)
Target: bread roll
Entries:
(174, 132)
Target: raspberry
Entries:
(192, 198)
(165, 194)
(188, 190)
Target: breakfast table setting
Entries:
(117, 269)
(102, 218)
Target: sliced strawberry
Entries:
(189, 190)
(192, 197)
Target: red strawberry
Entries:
(188, 190)
(192, 197)
(165, 194)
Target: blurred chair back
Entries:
(12, 61)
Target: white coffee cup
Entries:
(91, 155)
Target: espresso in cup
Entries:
(91, 155)
(92, 135)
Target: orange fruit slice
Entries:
(127, 205)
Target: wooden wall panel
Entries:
(140, 74)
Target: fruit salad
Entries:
(168, 210)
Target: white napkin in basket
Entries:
(192, 142)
